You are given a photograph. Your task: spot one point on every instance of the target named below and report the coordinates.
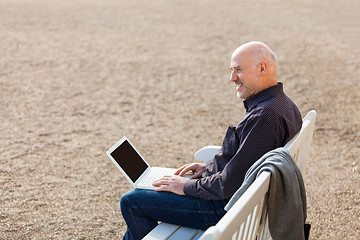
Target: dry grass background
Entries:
(75, 76)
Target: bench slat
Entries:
(162, 232)
(184, 233)
(198, 235)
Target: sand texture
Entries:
(75, 76)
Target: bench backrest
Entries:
(247, 219)
(299, 146)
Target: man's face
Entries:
(243, 75)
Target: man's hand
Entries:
(172, 183)
(176, 182)
(196, 168)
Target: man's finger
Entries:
(196, 175)
(179, 170)
(158, 182)
(185, 170)
(159, 189)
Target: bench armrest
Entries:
(206, 153)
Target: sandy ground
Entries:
(75, 76)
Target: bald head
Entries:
(253, 67)
(257, 52)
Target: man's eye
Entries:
(235, 70)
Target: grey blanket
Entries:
(287, 197)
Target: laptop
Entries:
(133, 166)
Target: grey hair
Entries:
(264, 54)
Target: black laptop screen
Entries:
(129, 160)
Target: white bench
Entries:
(247, 219)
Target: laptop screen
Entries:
(129, 160)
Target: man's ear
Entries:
(262, 67)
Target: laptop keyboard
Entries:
(156, 173)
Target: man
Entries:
(271, 120)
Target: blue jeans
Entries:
(142, 209)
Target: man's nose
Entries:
(233, 77)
